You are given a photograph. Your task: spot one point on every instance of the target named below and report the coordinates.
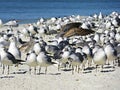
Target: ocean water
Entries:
(35, 9)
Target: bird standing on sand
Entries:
(31, 61)
(13, 49)
(76, 60)
(88, 51)
(32, 29)
(100, 57)
(44, 61)
(8, 59)
(111, 53)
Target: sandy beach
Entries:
(59, 80)
(20, 79)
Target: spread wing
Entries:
(72, 29)
(78, 31)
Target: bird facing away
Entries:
(99, 57)
(110, 52)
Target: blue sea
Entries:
(29, 10)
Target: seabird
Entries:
(8, 59)
(13, 49)
(28, 45)
(31, 61)
(99, 57)
(44, 61)
(37, 48)
(88, 51)
(32, 29)
(111, 52)
(12, 23)
(51, 49)
(76, 60)
(74, 29)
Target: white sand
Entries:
(59, 80)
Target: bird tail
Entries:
(20, 61)
(53, 63)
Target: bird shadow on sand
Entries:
(20, 72)
(54, 73)
(85, 72)
(7, 76)
(66, 69)
(49, 74)
(89, 68)
(40, 74)
(106, 71)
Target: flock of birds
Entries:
(73, 42)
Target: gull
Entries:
(13, 49)
(31, 61)
(12, 23)
(72, 29)
(32, 29)
(79, 50)
(26, 47)
(75, 59)
(25, 32)
(99, 57)
(44, 61)
(85, 26)
(111, 53)
(100, 17)
(64, 55)
(97, 37)
(51, 49)
(95, 17)
(37, 48)
(117, 37)
(108, 24)
(88, 51)
(4, 42)
(116, 22)
(8, 59)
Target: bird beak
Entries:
(17, 20)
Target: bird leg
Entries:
(3, 69)
(35, 70)
(39, 69)
(8, 69)
(45, 70)
(29, 70)
(72, 69)
(58, 66)
(96, 67)
(78, 68)
(102, 68)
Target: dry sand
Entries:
(59, 80)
